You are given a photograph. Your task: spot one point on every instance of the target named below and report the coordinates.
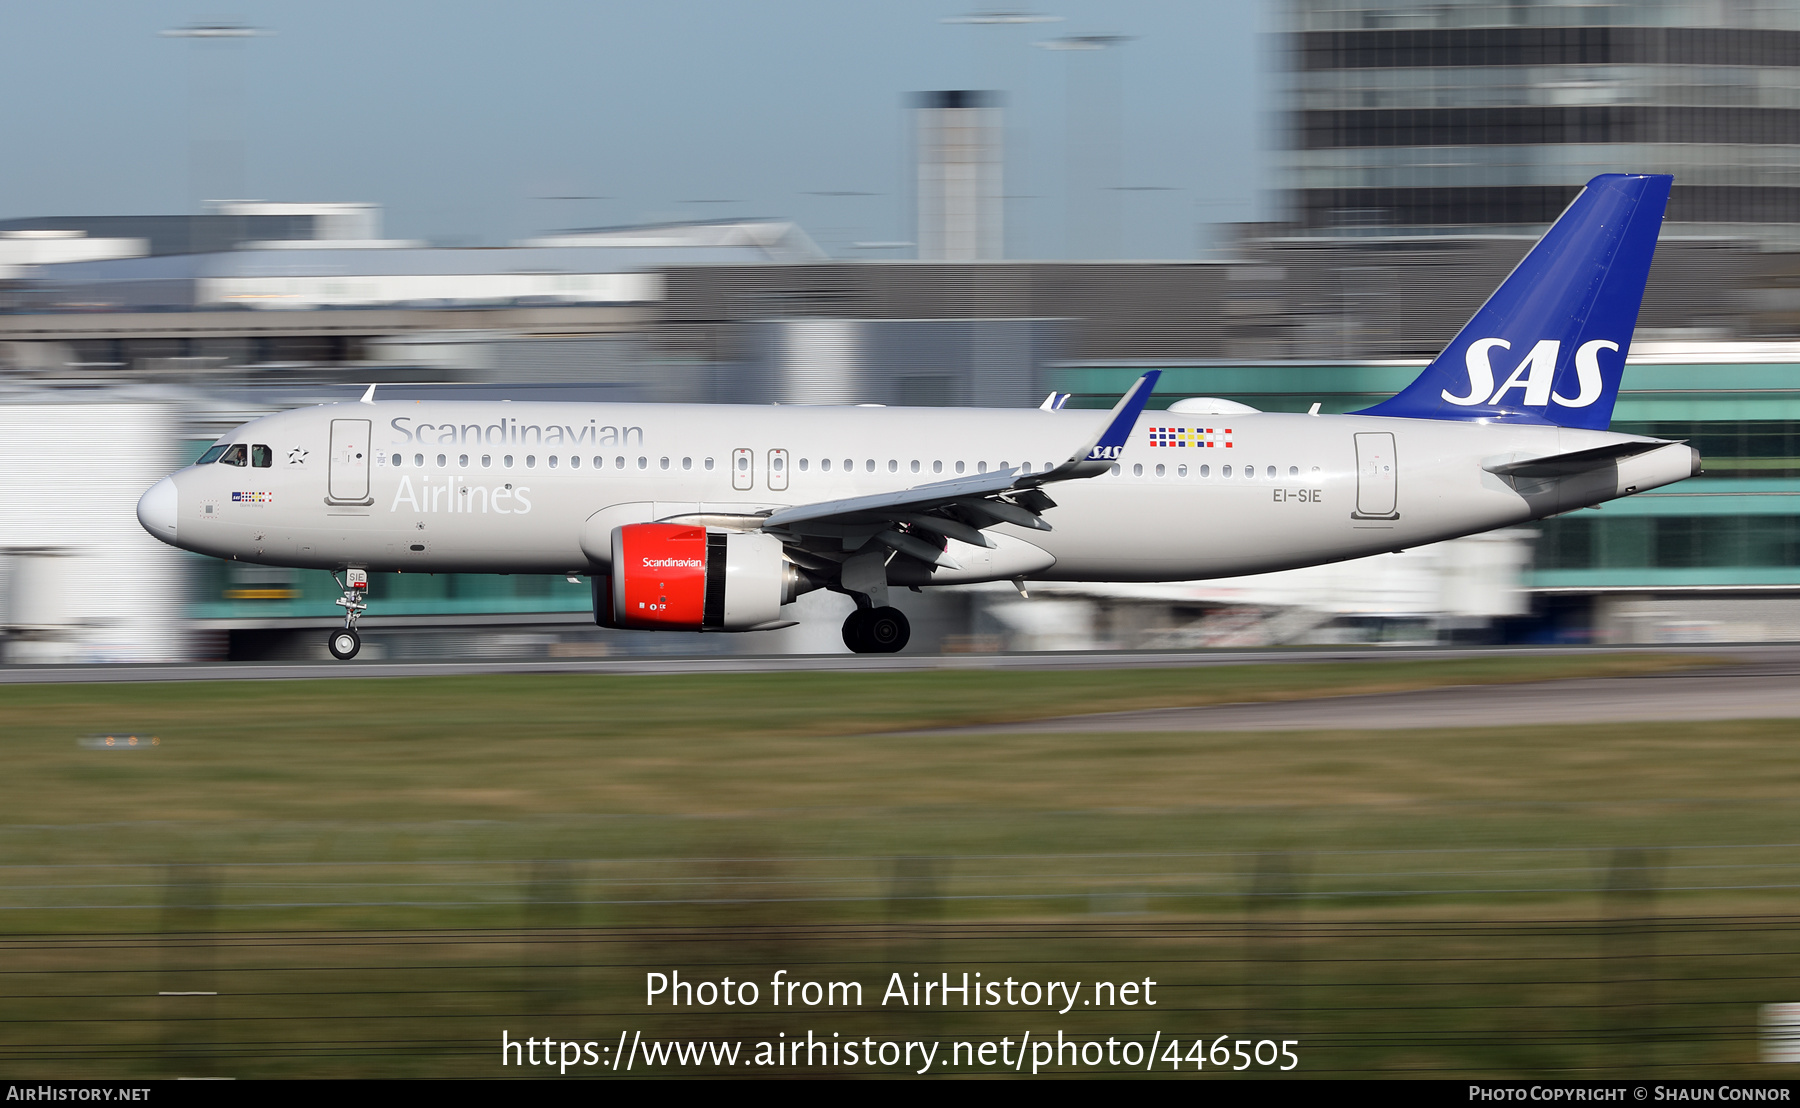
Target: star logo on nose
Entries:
(297, 457)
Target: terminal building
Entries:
(1426, 117)
(1428, 144)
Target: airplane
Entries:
(716, 517)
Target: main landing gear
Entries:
(877, 631)
(345, 642)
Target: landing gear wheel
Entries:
(344, 644)
(877, 631)
(853, 636)
(886, 630)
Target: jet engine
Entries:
(677, 577)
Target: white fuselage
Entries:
(504, 487)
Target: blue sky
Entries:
(462, 118)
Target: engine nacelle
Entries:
(676, 577)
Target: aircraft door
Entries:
(743, 469)
(778, 470)
(1376, 476)
(349, 476)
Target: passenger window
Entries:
(574, 461)
(959, 467)
(937, 467)
(462, 461)
(261, 457)
(211, 455)
(915, 465)
(442, 461)
(234, 455)
(825, 464)
(803, 465)
(553, 461)
(1206, 471)
(709, 463)
(1137, 470)
(1181, 471)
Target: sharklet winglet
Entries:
(1100, 452)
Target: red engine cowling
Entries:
(675, 577)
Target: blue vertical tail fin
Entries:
(1549, 345)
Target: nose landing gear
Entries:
(344, 643)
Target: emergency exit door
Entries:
(743, 469)
(349, 476)
(778, 470)
(1377, 476)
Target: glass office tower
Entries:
(1408, 116)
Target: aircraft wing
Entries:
(911, 520)
(883, 505)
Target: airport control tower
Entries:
(959, 176)
(1433, 117)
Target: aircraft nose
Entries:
(156, 509)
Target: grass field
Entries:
(377, 877)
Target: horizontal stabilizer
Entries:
(1576, 461)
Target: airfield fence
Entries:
(1653, 960)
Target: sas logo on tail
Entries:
(1533, 374)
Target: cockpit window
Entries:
(234, 455)
(211, 455)
(261, 456)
